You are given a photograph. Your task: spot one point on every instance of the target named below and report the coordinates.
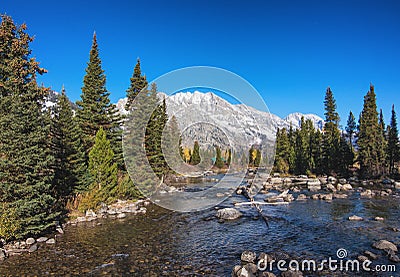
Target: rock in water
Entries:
(122, 215)
(2, 255)
(394, 258)
(228, 214)
(385, 245)
(51, 241)
(33, 248)
(30, 241)
(42, 239)
(355, 218)
(248, 256)
(347, 187)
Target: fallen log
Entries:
(261, 203)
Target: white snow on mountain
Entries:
(208, 117)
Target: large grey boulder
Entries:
(248, 256)
(228, 214)
(385, 245)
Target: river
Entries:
(167, 243)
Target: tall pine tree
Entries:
(331, 135)
(70, 165)
(370, 138)
(195, 159)
(26, 174)
(351, 129)
(138, 83)
(393, 149)
(94, 108)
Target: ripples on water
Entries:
(178, 244)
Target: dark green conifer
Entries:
(393, 149)
(27, 200)
(370, 138)
(195, 159)
(94, 108)
(331, 135)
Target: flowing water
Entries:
(166, 243)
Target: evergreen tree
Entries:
(331, 135)
(382, 148)
(282, 154)
(351, 129)
(154, 134)
(138, 83)
(70, 166)
(317, 151)
(103, 171)
(347, 156)
(95, 110)
(195, 159)
(381, 124)
(370, 138)
(229, 160)
(393, 149)
(218, 160)
(26, 200)
(292, 153)
(257, 160)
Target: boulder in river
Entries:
(2, 255)
(347, 187)
(90, 213)
(30, 241)
(331, 187)
(228, 214)
(235, 270)
(384, 245)
(355, 218)
(394, 258)
(51, 241)
(33, 248)
(301, 197)
(121, 215)
(244, 272)
(332, 180)
(248, 256)
(370, 255)
(42, 239)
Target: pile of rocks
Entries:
(252, 266)
(387, 248)
(19, 247)
(116, 210)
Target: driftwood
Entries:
(260, 203)
(245, 193)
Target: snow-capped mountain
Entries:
(209, 118)
(295, 119)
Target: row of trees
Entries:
(218, 159)
(368, 147)
(53, 157)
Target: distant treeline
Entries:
(368, 148)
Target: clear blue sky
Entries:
(290, 51)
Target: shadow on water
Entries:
(166, 243)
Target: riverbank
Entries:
(117, 210)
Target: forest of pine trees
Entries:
(366, 149)
(53, 160)
(57, 159)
